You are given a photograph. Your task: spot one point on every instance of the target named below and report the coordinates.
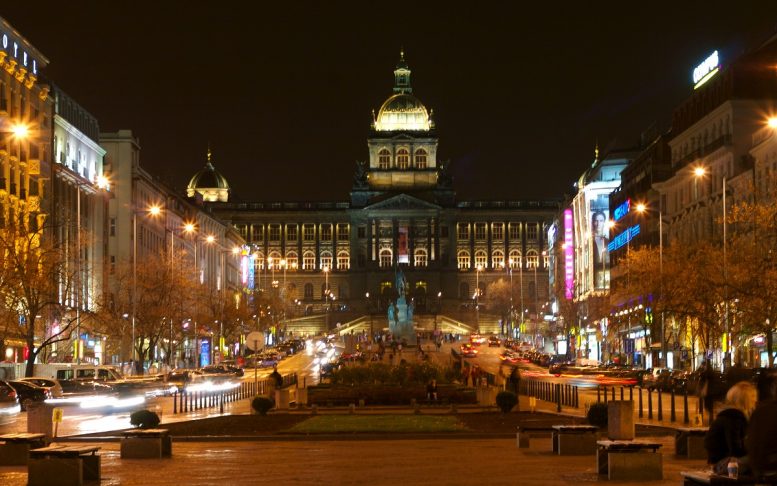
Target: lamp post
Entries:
(153, 211)
(326, 295)
(642, 208)
(478, 269)
(210, 240)
(700, 172)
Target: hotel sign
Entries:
(706, 70)
(14, 48)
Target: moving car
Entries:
(28, 393)
(494, 342)
(9, 403)
(469, 351)
(222, 369)
(50, 384)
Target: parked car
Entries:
(50, 384)
(28, 393)
(9, 403)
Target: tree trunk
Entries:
(769, 347)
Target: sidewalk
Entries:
(356, 462)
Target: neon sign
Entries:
(12, 47)
(569, 255)
(622, 210)
(706, 70)
(623, 238)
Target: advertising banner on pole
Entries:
(402, 256)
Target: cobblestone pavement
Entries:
(346, 462)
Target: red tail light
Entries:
(12, 394)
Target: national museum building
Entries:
(402, 212)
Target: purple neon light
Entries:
(569, 255)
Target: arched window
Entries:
(532, 259)
(274, 260)
(420, 257)
(258, 262)
(385, 258)
(481, 259)
(309, 262)
(515, 259)
(464, 291)
(463, 260)
(420, 159)
(403, 159)
(497, 259)
(326, 259)
(384, 159)
(308, 291)
(343, 260)
(292, 260)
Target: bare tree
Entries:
(37, 282)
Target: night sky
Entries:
(283, 91)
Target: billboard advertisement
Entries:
(402, 253)
(600, 238)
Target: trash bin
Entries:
(40, 420)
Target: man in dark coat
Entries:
(761, 440)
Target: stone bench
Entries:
(146, 444)
(15, 448)
(572, 440)
(525, 433)
(62, 465)
(629, 460)
(689, 442)
(708, 477)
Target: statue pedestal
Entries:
(402, 327)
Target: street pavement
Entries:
(352, 461)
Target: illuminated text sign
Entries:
(569, 255)
(623, 238)
(622, 210)
(706, 70)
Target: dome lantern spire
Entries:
(402, 75)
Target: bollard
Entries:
(622, 398)
(673, 415)
(221, 404)
(631, 393)
(650, 404)
(613, 393)
(660, 406)
(686, 419)
(598, 394)
(577, 398)
(175, 402)
(641, 413)
(558, 397)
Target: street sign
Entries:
(56, 415)
(254, 340)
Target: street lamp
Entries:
(151, 211)
(478, 268)
(326, 295)
(700, 172)
(642, 208)
(188, 228)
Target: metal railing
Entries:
(185, 401)
(558, 393)
(652, 402)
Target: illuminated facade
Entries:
(402, 211)
(25, 144)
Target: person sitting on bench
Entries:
(726, 436)
(760, 443)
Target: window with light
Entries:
(403, 159)
(326, 259)
(385, 258)
(420, 159)
(384, 159)
(343, 260)
(481, 258)
(462, 259)
(497, 259)
(420, 258)
(308, 260)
